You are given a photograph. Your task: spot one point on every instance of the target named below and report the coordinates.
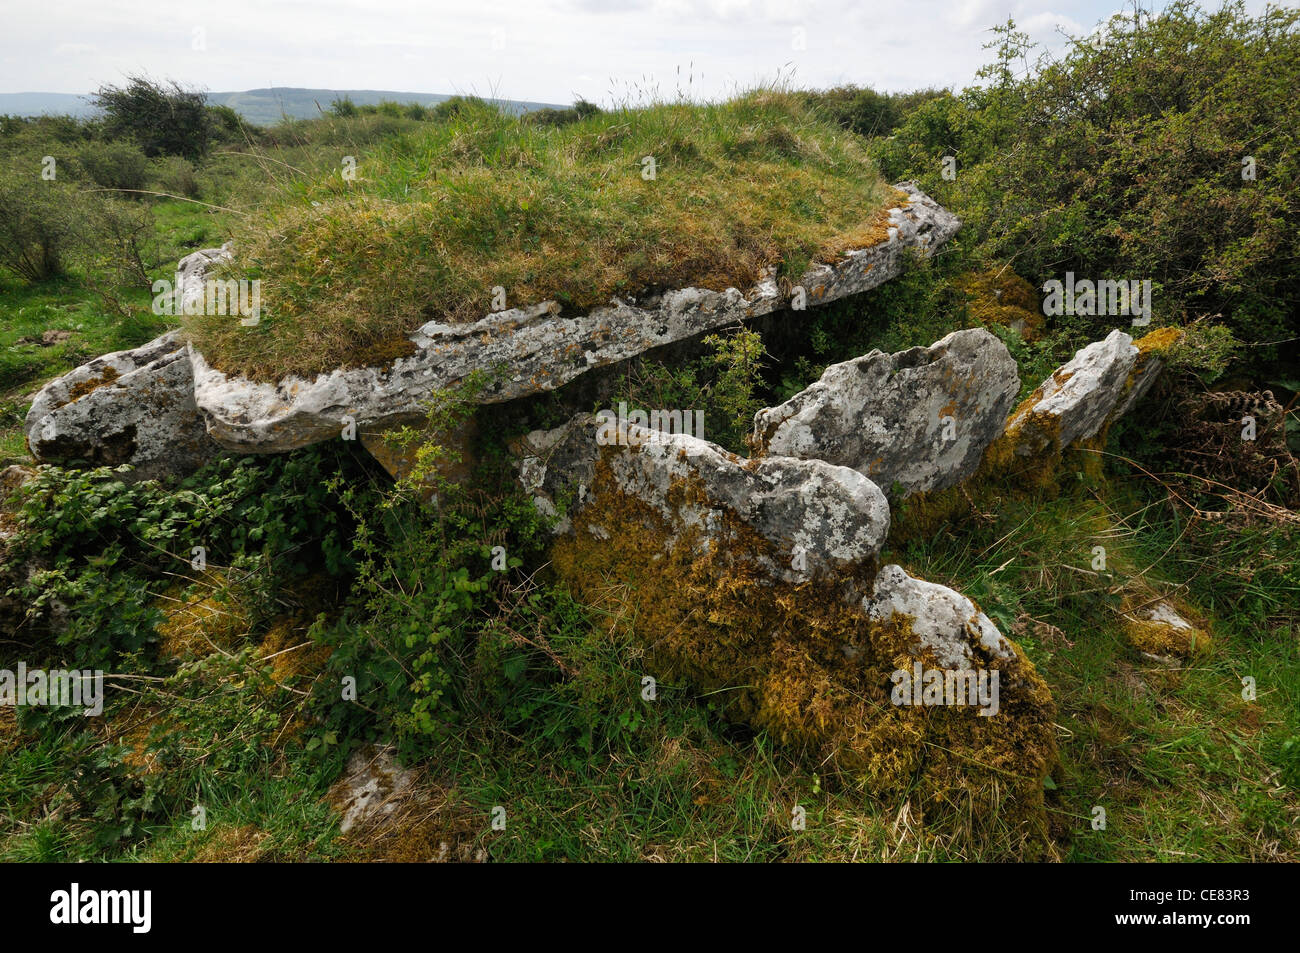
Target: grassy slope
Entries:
(436, 220)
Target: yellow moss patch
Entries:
(229, 844)
(1086, 454)
(1164, 626)
(290, 653)
(203, 621)
(802, 663)
(1001, 298)
(1159, 341)
(1156, 344)
(135, 738)
(875, 231)
(382, 353)
(1024, 458)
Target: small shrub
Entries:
(38, 225)
(175, 176)
(121, 238)
(165, 119)
(561, 117)
(115, 165)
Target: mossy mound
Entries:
(234, 844)
(806, 665)
(1164, 627)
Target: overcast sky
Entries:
(545, 50)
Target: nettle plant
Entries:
(435, 563)
(102, 550)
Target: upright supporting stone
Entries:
(756, 582)
(919, 419)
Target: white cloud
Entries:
(1042, 26)
(552, 50)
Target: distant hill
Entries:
(41, 104)
(262, 106)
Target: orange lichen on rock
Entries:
(82, 388)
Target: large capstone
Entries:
(531, 349)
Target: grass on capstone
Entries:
(666, 196)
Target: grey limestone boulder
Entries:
(922, 417)
(948, 626)
(131, 407)
(1080, 397)
(818, 517)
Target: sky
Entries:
(543, 50)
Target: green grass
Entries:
(1184, 767)
(439, 217)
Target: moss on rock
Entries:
(1164, 626)
(999, 297)
(804, 664)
